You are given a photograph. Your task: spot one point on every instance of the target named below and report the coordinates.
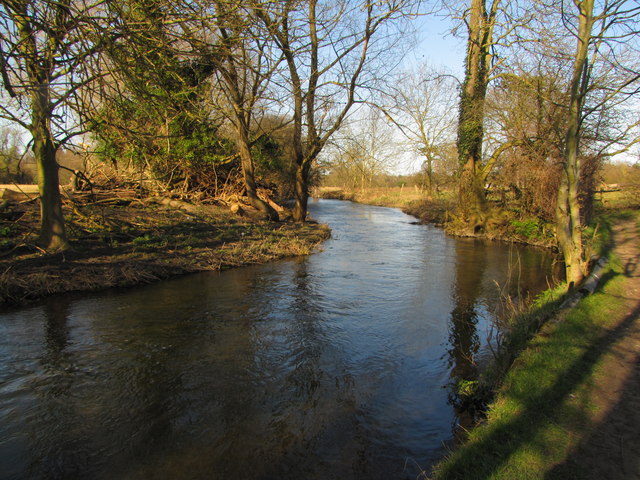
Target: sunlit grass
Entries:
(627, 198)
(542, 410)
(537, 419)
(395, 197)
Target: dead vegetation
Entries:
(123, 235)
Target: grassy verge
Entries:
(542, 410)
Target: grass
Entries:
(542, 410)
(622, 199)
(394, 197)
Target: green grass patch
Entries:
(541, 411)
(530, 228)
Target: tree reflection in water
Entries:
(464, 340)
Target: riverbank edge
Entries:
(115, 255)
(440, 212)
(535, 393)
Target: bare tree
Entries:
(363, 149)
(244, 63)
(525, 121)
(424, 111)
(328, 47)
(605, 72)
(43, 52)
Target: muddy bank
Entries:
(116, 245)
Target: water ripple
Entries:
(334, 366)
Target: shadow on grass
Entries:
(490, 451)
(612, 449)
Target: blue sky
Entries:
(437, 46)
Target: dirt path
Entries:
(612, 450)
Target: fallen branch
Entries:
(168, 202)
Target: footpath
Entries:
(612, 450)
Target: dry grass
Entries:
(116, 246)
(398, 197)
(411, 200)
(624, 199)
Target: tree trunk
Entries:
(39, 65)
(301, 192)
(52, 230)
(471, 190)
(246, 160)
(429, 177)
(472, 98)
(53, 236)
(569, 234)
(568, 222)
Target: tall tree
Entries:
(568, 222)
(328, 48)
(605, 71)
(480, 22)
(43, 58)
(492, 27)
(244, 63)
(424, 111)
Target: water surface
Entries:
(337, 365)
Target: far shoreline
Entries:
(141, 243)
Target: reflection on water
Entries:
(464, 338)
(332, 366)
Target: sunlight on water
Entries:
(338, 365)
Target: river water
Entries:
(337, 365)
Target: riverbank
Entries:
(125, 243)
(500, 224)
(410, 200)
(568, 407)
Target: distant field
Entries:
(398, 197)
(623, 197)
(627, 196)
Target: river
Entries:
(336, 365)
